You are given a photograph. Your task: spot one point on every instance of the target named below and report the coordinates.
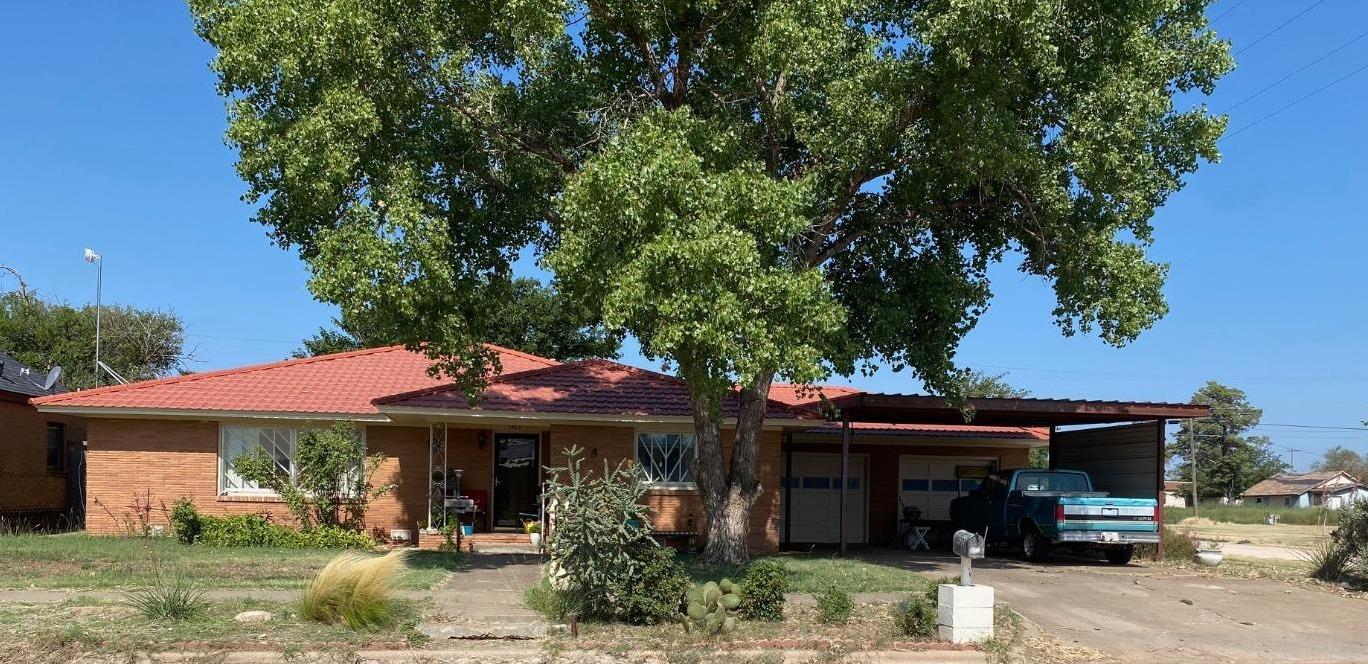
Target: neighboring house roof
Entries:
(599, 387)
(1295, 484)
(342, 383)
(937, 430)
(1173, 485)
(19, 378)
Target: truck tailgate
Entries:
(1133, 515)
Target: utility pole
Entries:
(1192, 461)
(98, 260)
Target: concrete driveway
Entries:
(1151, 614)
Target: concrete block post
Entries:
(965, 613)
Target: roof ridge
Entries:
(185, 378)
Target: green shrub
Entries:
(651, 595)
(1329, 559)
(185, 520)
(1179, 546)
(255, 530)
(356, 590)
(556, 605)
(600, 529)
(167, 600)
(332, 482)
(763, 588)
(708, 608)
(1351, 531)
(916, 616)
(834, 606)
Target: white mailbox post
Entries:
(965, 611)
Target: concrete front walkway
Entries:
(485, 600)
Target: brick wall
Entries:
(26, 482)
(165, 459)
(680, 509)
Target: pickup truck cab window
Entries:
(1052, 481)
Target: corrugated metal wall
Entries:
(1123, 460)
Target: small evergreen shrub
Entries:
(916, 616)
(1329, 559)
(185, 520)
(834, 606)
(556, 605)
(255, 530)
(356, 590)
(651, 595)
(763, 588)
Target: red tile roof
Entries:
(938, 430)
(600, 387)
(343, 383)
(795, 395)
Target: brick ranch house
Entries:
(40, 453)
(179, 436)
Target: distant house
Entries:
(40, 453)
(1175, 493)
(1330, 488)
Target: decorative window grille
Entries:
(279, 442)
(667, 458)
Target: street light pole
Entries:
(98, 261)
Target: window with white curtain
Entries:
(667, 458)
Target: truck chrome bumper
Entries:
(1108, 537)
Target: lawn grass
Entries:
(1246, 533)
(78, 561)
(812, 573)
(111, 626)
(1307, 516)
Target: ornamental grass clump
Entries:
(355, 590)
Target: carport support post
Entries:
(1160, 432)
(845, 474)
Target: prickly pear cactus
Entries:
(707, 608)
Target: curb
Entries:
(493, 655)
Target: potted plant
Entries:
(1209, 554)
(533, 530)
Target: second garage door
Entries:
(931, 483)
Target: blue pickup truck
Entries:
(1044, 509)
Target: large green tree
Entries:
(751, 188)
(140, 344)
(1341, 458)
(533, 318)
(1228, 459)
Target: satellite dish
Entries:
(52, 378)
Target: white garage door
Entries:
(932, 483)
(814, 490)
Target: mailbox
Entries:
(967, 546)
(459, 505)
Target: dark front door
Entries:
(515, 478)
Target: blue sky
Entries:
(111, 137)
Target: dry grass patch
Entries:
(356, 590)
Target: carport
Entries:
(1119, 443)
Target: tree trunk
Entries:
(729, 495)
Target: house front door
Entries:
(515, 478)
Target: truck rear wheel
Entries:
(1034, 547)
(1120, 555)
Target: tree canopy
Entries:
(751, 188)
(139, 344)
(1341, 458)
(1228, 459)
(534, 319)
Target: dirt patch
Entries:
(1196, 521)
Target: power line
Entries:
(1232, 8)
(1280, 26)
(1303, 68)
(1295, 102)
